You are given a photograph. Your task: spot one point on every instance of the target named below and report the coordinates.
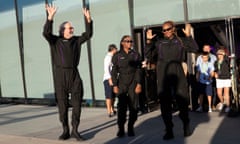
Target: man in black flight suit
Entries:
(66, 50)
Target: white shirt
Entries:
(212, 57)
(107, 66)
(205, 69)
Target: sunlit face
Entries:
(206, 48)
(205, 58)
(68, 30)
(168, 30)
(220, 54)
(127, 42)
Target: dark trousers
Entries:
(127, 100)
(172, 85)
(166, 109)
(69, 84)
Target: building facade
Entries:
(25, 59)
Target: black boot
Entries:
(168, 135)
(121, 131)
(76, 135)
(130, 130)
(186, 130)
(65, 135)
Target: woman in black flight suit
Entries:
(171, 80)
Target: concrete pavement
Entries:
(34, 124)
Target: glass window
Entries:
(111, 22)
(203, 9)
(10, 66)
(157, 11)
(37, 60)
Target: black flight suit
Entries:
(171, 81)
(66, 56)
(126, 73)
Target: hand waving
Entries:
(149, 34)
(87, 14)
(187, 30)
(51, 10)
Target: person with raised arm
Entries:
(66, 49)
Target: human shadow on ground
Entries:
(150, 130)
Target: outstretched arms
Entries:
(51, 11)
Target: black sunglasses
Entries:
(128, 41)
(168, 29)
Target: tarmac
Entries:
(38, 124)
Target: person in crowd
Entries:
(223, 79)
(204, 75)
(126, 78)
(66, 50)
(107, 80)
(212, 58)
(171, 79)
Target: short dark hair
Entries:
(111, 47)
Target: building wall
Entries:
(111, 21)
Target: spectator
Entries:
(205, 72)
(212, 58)
(223, 79)
(107, 80)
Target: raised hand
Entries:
(51, 10)
(86, 13)
(149, 34)
(187, 30)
